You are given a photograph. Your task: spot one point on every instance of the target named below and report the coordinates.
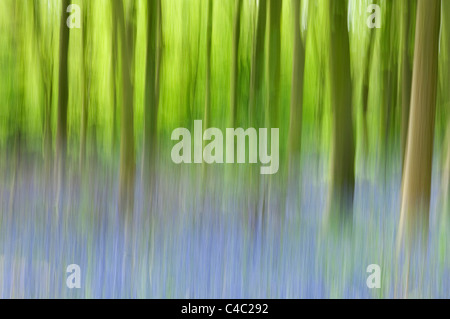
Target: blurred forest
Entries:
(86, 119)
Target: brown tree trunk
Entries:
(256, 99)
(207, 111)
(343, 154)
(114, 64)
(406, 75)
(85, 89)
(445, 47)
(419, 152)
(296, 109)
(369, 55)
(235, 62)
(257, 72)
(446, 179)
(274, 62)
(127, 156)
(389, 82)
(151, 95)
(272, 184)
(46, 64)
(61, 121)
(207, 106)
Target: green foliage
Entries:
(29, 62)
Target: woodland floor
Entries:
(186, 245)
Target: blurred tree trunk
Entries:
(208, 66)
(207, 107)
(296, 109)
(343, 154)
(406, 73)
(85, 87)
(445, 50)
(419, 151)
(389, 79)
(317, 48)
(61, 121)
(186, 62)
(235, 62)
(446, 177)
(127, 156)
(271, 183)
(385, 51)
(159, 57)
(257, 71)
(114, 64)
(274, 62)
(16, 114)
(151, 95)
(48, 149)
(368, 66)
(256, 101)
(298, 65)
(46, 65)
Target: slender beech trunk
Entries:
(127, 156)
(389, 81)
(416, 186)
(446, 174)
(151, 100)
(48, 151)
(257, 71)
(446, 178)
(17, 115)
(369, 57)
(343, 154)
(235, 62)
(272, 183)
(298, 65)
(296, 109)
(274, 62)
(207, 111)
(114, 64)
(256, 100)
(406, 74)
(85, 95)
(61, 121)
(46, 64)
(186, 60)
